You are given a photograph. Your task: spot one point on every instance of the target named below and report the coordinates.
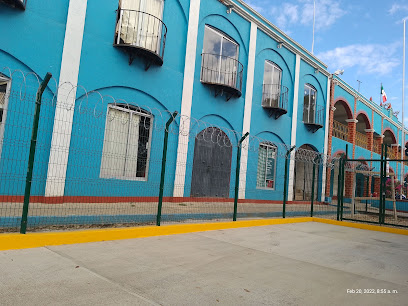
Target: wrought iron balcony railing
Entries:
(141, 34)
(21, 4)
(314, 119)
(223, 72)
(275, 99)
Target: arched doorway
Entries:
(304, 174)
(362, 180)
(340, 116)
(391, 142)
(211, 164)
(335, 175)
(362, 125)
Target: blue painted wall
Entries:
(32, 43)
(157, 90)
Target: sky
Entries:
(365, 38)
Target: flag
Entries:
(383, 95)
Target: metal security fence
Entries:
(372, 192)
(76, 159)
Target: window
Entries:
(140, 24)
(3, 88)
(219, 58)
(126, 145)
(272, 85)
(4, 93)
(266, 166)
(309, 104)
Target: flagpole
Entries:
(403, 99)
(314, 13)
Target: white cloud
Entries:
(288, 13)
(256, 7)
(301, 12)
(370, 58)
(327, 12)
(397, 8)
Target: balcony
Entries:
(275, 99)
(223, 73)
(21, 4)
(313, 118)
(340, 130)
(141, 34)
(361, 140)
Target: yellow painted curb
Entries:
(34, 240)
(363, 226)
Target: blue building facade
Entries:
(219, 62)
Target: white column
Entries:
(61, 135)
(187, 97)
(326, 139)
(247, 109)
(294, 127)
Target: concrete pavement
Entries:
(289, 264)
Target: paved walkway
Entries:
(288, 264)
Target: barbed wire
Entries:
(76, 98)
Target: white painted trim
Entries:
(294, 128)
(351, 120)
(246, 126)
(326, 138)
(61, 135)
(187, 98)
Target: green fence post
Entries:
(163, 169)
(343, 169)
(339, 189)
(368, 192)
(285, 187)
(234, 218)
(33, 144)
(313, 184)
(384, 184)
(381, 183)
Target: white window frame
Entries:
(223, 36)
(269, 146)
(310, 88)
(125, 108)
(5, 108)
(275, 67)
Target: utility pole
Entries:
(359, 82)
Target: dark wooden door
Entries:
(211, 164)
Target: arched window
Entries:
(271, 84)
(309, 104)
(126, 144)
(219, 59)
(266, 174)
